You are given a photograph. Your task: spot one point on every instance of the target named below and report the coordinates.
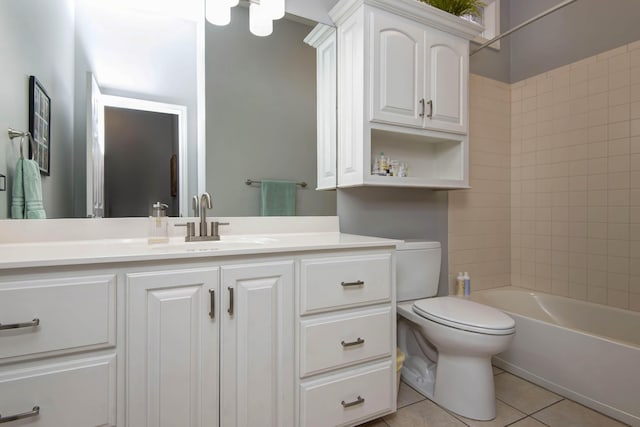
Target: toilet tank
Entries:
(417, 269)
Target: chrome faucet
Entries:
(205, 203)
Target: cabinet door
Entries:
(397, 90)
(326, 57)
(257, 352)
(447, 77)
(172, 348)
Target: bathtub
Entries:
(586, 352)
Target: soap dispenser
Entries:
(158, 226)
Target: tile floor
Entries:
(519, 404)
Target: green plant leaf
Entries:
(457, 7)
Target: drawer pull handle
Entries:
(212, 303)
(352, 343)
(356, 283)
(32, 413)
(32, 324)
(358, 401)
(430, 104)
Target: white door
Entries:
(257, 347)
(447, 76)
(397, 92)
(95, 149)
(172, 348)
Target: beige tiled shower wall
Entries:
(575, 179)
(479, 224)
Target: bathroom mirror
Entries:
(155, 56)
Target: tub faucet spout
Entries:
(205, 203)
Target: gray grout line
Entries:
(519, 419)
(546, 407)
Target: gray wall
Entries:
(261, 115)
(578, 31)
(398, 213)
(492, 63)
(36, 38)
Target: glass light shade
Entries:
(276, 8)
(260, 23)
(218, 12)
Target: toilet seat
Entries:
(464, 314)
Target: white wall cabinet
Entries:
(420, 75)
(257, 352)
(172, 348)
(403, 71)
(324, 39)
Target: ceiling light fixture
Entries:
(262, 13)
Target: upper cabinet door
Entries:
(397, 71)
(447, 77)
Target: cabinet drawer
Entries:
(345, 399)
(72, 314)
(340, 282)
(341, 340)
(76, 394)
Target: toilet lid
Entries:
(464, 314)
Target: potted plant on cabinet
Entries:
(458, 7)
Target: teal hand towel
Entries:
(26, 195)
(17, 193)
(278, 198)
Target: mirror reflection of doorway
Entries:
(136, 155)
(140, 162)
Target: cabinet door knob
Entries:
(358, 401)
(32, 413)
(32, 324)
(422, 107)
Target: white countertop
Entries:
(57, 252)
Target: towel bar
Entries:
(253, 181)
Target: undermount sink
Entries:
(225, 242)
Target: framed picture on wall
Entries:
(40, 125)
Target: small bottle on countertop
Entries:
(460, 285)
(158, 225)
(467, 284)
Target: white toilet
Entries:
(448, 341)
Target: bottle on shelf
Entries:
(460, 285)
(467, 284)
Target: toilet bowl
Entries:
(449, 341)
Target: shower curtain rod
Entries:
(524, 24)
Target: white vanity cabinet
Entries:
(284, 338)
(403, 72)
(57, 355)
(211, 346)
(172, 347)
(346, 338)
